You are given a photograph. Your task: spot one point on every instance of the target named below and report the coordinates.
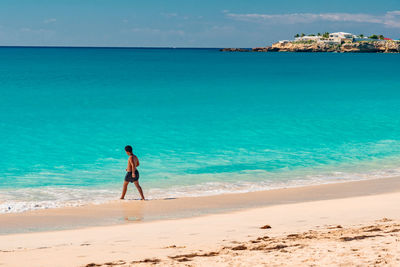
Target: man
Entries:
(132, 174)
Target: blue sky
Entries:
(188, 23)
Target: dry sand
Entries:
(330, 228)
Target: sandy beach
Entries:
(344, 224)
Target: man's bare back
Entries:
(133, 162)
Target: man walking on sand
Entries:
(132, 174)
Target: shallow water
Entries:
(201, 121)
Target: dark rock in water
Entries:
(260, 49)
(265, 49)
(234, 50)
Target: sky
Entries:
(188, 23)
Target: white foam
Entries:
(27, 199)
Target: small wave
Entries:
(28, 199)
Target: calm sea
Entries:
(201, 122)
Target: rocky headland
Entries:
(347, 47)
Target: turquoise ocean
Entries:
(202, 122)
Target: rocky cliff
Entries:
(354, 47)
(374, 47)
(351, 47)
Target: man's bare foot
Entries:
(122, 198)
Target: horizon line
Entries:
(112, 47)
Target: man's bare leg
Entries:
(139, 188)
(124, 188)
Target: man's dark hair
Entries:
(128, 149)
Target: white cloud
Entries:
(30, 30)
(177, 16)
(169, 15)
(51, 20)
(389, 19)
(393, 19)
(222, 28)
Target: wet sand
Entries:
(135, 211)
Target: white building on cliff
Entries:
(334, 38)
(339, 37)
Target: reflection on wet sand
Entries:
(132, 212)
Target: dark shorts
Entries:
(129, 178)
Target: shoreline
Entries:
(100, 195)
(137, 212)
(358, 223)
